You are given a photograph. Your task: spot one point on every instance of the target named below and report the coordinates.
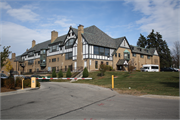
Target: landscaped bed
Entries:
(138, 83)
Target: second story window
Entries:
(69, 43)
(53, 48)
(54, 60)
(30, 54)
(30, 62)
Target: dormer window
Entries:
(140, 49)
(147, 51)
(132, 48)
(30, 54)
(54, 48)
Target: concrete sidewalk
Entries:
(18, 91)
(161, 97)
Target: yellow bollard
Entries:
(112, 81)
(22, 84)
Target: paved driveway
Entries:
(84, 102)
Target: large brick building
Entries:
(83, 47)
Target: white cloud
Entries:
(23, 14)
(20, 37)
(160, 15)
(64, 23)
(4, 5)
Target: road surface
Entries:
(55, 100)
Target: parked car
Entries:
(150, 68)
(168, 70)
(176, 69)
(3, 76)
(37, 76)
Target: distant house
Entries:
(83, 47)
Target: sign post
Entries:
(112, 81)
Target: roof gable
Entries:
(125, 44)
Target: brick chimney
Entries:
(13, 56)
(79, 47)
(54, 35)
(33, 43)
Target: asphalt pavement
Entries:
(57, 100)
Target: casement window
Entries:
(43, 52)
(101, 51)
(149, 57)
(119, 55)
(58, 59)
(126, 55)
(96, 64)
(54, 60)
(68, 55)
(115, 54)
(134, 54)
(54, 48)
(30, 54)
(30, 62)
(142, 56)
(107, 63)
(38, 62)
(69, 43)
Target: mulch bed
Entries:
(4, 89)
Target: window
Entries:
(49, 60)
(60, 48)
(96, 64)
(142, 56)
(147, 51)
(54, 60)
(132, 48)
(115, 54)
(69, 43)
(101, 62)
(30, 62)
(43, 52)
(30, 70)
(134, 54)
(65, 68)
(119, 55)
(58, 59)
(38, 62)
(30, 54)
(126, 55)
(96, 50)
(53, 68)
(68, 55)
(54, 48)
(101, 51)
(107, 63)
(148, 57)
(140, 49)
(154, 67)
(57, 68)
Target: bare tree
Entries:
(176, 54)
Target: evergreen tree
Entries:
(68, 74)
(154, 40)
(85, 72)
(142, 42)
(60, 74)
(54, 73)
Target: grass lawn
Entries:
(158, 83)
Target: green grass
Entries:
(60, 80)
(159, 83)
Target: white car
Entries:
(3, 76)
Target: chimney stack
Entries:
(80, 47)
(13, 56)
(54, 35)
(81, 29)
(33, 43)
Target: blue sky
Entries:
(24, 21)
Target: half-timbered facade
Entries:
(84, 47)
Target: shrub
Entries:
(68, 74)
(85, 72)
(9, 83)
(3, 82)
(37, 84)
(102, 69)
(18, 82)
(54, 73)
(27, 83)
(60, 74)
(108, 67)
